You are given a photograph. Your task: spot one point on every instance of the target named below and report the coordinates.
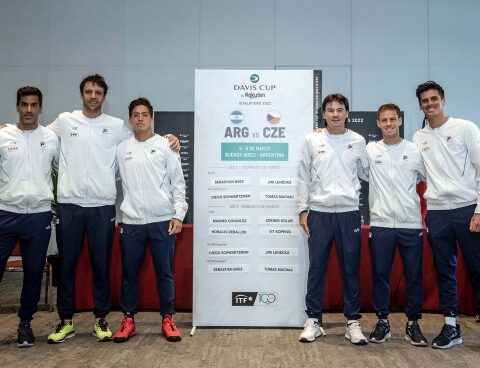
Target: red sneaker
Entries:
(126, 330)
(169, 330)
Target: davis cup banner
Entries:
(250, 255)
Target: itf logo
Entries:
(250, 299)
(236, 117)
(254, 78)
(243, 299)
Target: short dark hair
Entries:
(388, 107)
(428, 85)
(94, 79)
(335, 97)
(29, 91)
(141, 101)
(338, 97)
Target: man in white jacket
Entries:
(396, 167)
(329, 190)
(450, 148)
(152, 210)
(86, 195)
(27, 153)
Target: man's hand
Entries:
(3, 125)
(174, 143)
(174, 227)
(303, 222)
(318, 130)
(475, 223)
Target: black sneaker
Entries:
(413, 333)
(448, 337)
(25, 337)
(381, 332)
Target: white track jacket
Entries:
(395, 171)
(451, 154)
(86, 174)
(26, 159)
(152, 181)
(329, 172)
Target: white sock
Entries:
(351, 321)
(452, 321)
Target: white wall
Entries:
(373, 51)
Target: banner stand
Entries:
(250, 255)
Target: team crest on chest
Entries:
(74, 133)
(321, 149)
(13, 146)
(128, 156)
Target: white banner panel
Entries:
(250, 255)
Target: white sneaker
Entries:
(311, 331)
(354, 334)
